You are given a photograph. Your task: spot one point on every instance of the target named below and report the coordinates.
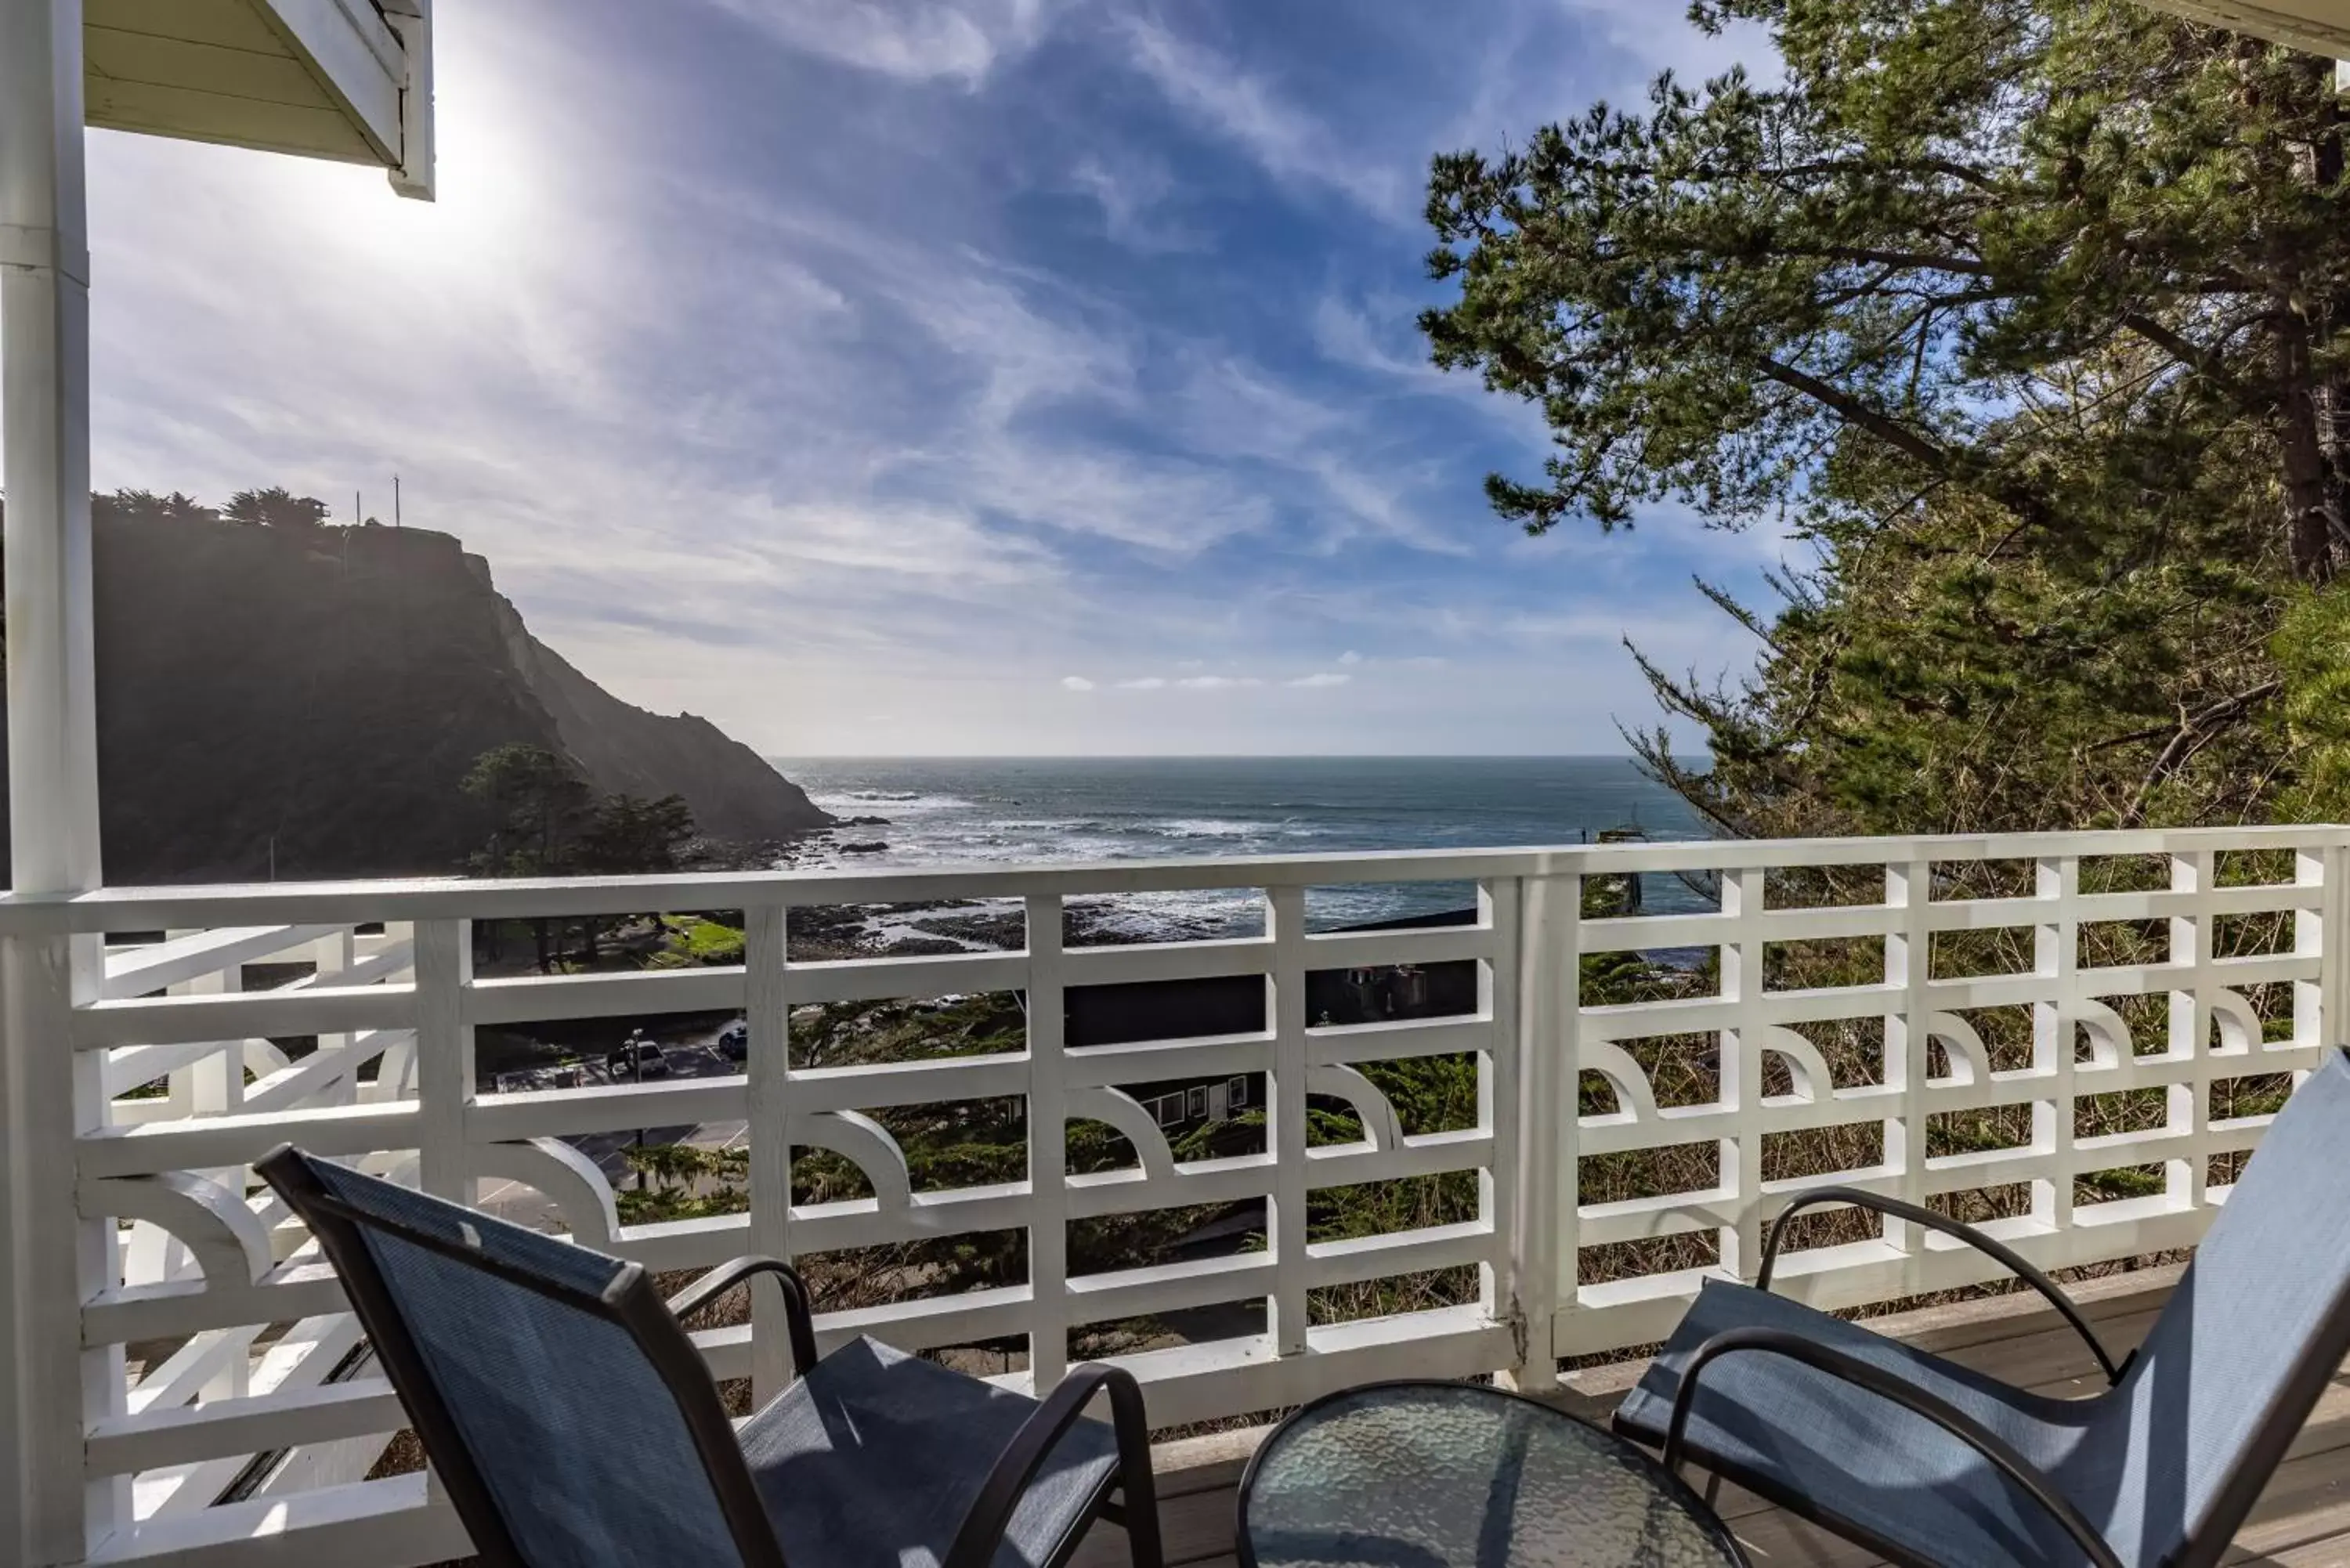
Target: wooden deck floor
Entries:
(2303, 1520)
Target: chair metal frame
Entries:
(631, 1301)
(2306, 1381)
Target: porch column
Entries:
(44, 382)
(50, 1257)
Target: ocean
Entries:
(957, 811)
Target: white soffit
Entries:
(2321, 26)
(344, 79)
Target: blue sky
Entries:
(954, 375)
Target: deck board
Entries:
(2303, 1520)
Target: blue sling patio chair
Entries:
(573, 1423)
(1928, 1463)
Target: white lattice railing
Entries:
(161, 1241)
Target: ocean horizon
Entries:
(941, 811)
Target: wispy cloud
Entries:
(914, 40)
(1258, 116)
(1215, 683)
(1165, 504)
(1133, 193)
(900, 442)
(1380, 337)
(1345, 336)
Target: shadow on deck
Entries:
(2303, 1520)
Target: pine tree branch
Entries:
(1979, 179)
(2195, 731)
(1915, 261)
(1852, 410)
(2194, 356)
(1936, 459)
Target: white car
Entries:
(639, 1058)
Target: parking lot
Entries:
(691, 1053)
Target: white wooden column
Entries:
(1500, 1091)
(215, 1088)
(1285, 1227)
(45, 385)
(1909, 1040)
(2317, 1010)
(2056, 1045)
(767, 1092)
(2189, 1107)
(50, 1257)
(1742, 1072)
(1542, 1234)
(445, 1058)
(333, 956)
(1048, 1151)
(54, 1259)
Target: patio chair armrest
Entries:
(798, 1317)
(1890, 1386)
(990, 1514)
(2003, 1255)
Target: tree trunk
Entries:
(2315, 408)
(2332, 399)
(2309, 496)
(2332, 396)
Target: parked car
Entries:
(734, 1041)
(639, 1058)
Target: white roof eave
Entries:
(2321, 26)
(343, 79)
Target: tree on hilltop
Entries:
(275, 507)
(146, 506)
(182, 508)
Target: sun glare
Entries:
(493, 197)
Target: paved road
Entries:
(694, 1055)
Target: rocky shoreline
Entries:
(930, 928)
(939, 928)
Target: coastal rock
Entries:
(924, 947)
(999, 930)
(733, 793)
(867, 846)
(288, 703)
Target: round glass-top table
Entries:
(1450, 1475)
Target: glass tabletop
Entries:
(1449, 1475)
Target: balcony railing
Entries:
(151, 1234)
